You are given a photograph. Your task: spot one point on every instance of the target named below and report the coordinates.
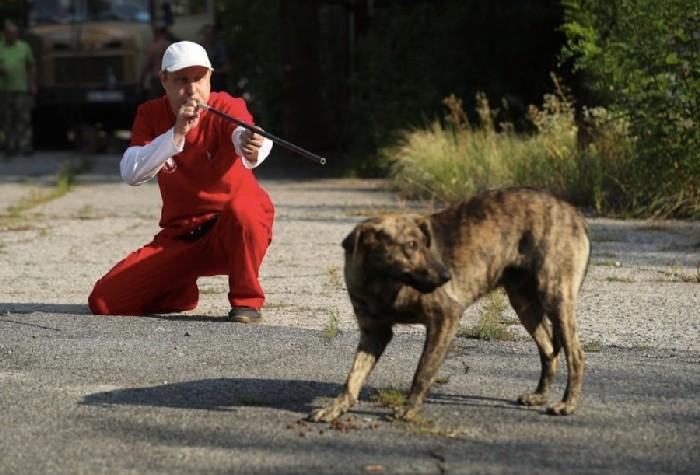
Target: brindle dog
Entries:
(410, 268)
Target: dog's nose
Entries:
(445, 275)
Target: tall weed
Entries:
(454, 159)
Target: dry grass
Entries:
(453, 159)
(491, 324)
(330, 331)
(37, 197)
(625, 280)
(390, 397)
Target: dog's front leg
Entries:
(372, 343)
(441, 329)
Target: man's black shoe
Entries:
(245, 315)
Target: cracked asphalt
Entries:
(194, 394)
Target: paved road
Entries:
(195, 394)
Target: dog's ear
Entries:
(424, 225)
(350, 241)
(362, 234)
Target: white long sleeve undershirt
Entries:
(141, 163)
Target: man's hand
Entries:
(250, 145)
(186, 120)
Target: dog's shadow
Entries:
(466, 400)
(221, 394)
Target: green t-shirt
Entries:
(14, 60)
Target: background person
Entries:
(150, 74)
(216, 50)
(17, 91)
(215, 219)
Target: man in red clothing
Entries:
(215, 220)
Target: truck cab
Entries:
(90, 56)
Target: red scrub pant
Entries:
(161, 277)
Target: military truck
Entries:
(90, 56)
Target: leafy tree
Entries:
(642, 57)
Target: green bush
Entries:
(642, 58)
(455, 159)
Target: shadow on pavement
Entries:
(472, 401)
(59, 308)
(222, 394)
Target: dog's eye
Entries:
(412, 244)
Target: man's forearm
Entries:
(141, 163)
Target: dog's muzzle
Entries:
(426, 282)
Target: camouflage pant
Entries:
(16, 113)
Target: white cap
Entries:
(184, 54)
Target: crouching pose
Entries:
(215, 219)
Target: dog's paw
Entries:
(405, 413)
(532, 399)
(561, 409)
(326, 414)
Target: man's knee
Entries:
(248, 213)
(97, 301)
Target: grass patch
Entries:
(625, 280)
(65, 178)
(592, 157)
(210, 291)
(335, 277)
(442, 380)
(390, 397)
(330, 331)
(452, 159)
(593, 346)
(606, 263)
(86, 212)
(37, 198)
(491, 324)
(642, 347)
(676, 275)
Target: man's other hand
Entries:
(250, 145)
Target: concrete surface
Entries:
(191, 393)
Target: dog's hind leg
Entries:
(523, 297)
(441, 329)
(564, 328)
(372, 343)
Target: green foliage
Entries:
(65, 178)
(455, 160)
(390, 397)
(491, 325)
(642, 57)
(331, 329)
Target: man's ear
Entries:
(424, 225)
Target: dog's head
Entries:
(398, 248)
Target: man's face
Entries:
(184, 84)
(11, 33)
